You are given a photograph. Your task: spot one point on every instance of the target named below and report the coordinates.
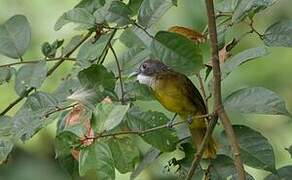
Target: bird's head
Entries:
(148, 69)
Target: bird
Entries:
(176, 92)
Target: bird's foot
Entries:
(170, 123)
(190, 119)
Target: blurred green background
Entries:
(35, 159)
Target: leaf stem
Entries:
(119, 73)
(142, 28)
(38, 60)
(105, 50)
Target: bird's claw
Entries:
(190, 119)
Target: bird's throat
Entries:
(143, 79)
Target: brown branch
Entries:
(145, 131)
(202, 148)
(36, 61)
(119, 73)
(218, 105)
(50, 71)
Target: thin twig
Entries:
(145, 131)
(103, 55)
(202, 148)
(58, 109)
(142, 28)
(36, 61)
(218, 105)
(50, 71)
(119, 73)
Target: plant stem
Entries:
(119, 73)
(105, 50)
(36, 61)
(50, 71)
(218, 105)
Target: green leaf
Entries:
(279, 34)
(130, 39)
(250, 54)
(151, 11)
(223, 168)
(6, 74)
(289, 150)
(125, 153)
(31, 75)
(137, 91)
(33, 115)
(108, 116)
(134, 5)
(66, 88)
(50, 50)
(178, 52)
(77, 15)
(90, 5)
(246, 8)
(15, 36)
(283, 173)
(140, 121)
(91, 51)
(72, 44)
(256, 100)
(119, 13)
(150, 156)
(221, 31)
(226, 6)
(255, 149)
(98, 79)
(97, 158)
(6, 142)
(132, 59)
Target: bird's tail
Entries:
(198, 129)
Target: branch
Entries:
(144, 29)
(202, 148)
(119, 73)
(145, 131)
(38, 60)
(218, 105)
(50, 71)
(104, 52)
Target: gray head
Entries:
(151, 67)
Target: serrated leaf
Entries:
(246, 8)
(6, 141)
(178, 52)
(247, 55)
(90, 5)
(140, 121)
(256, 100)
(6, 74)
(255, 149)
(107, 116)
(148, 158)
(279, 34)
(283, 173)
(92, 50)
(97, 158)
(31, 75)
(125, 153)
(15, 36)
(33, 115)
(151, 11)
(78, 16)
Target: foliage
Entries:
(101, 136)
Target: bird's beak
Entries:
(134, 74)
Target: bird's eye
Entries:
(144, 66)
